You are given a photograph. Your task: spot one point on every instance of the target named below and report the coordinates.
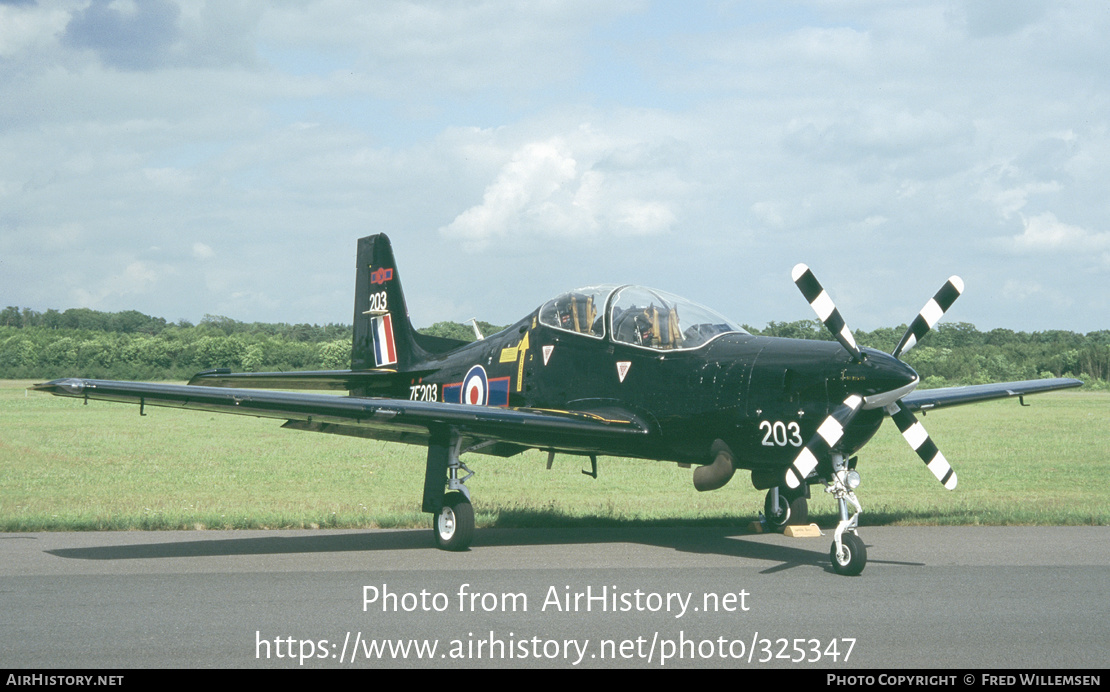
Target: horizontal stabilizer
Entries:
(381, 382)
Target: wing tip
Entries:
(64, 386)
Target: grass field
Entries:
(67, 466)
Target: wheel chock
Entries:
(807, 531)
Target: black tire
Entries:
(793, 509)
(851, 561)
(453, 526)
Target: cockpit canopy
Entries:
(636, 315)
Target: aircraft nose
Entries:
(883, 378)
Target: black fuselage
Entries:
(762, 396)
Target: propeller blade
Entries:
(823, 305)
(930, 314)
(919, 440)
(826, 437)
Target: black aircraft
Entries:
(621, 371)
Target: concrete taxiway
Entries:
(930, 597)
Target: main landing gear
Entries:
(452, 513)
(785, 507)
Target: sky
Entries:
(187, 158)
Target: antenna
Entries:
(477, 332)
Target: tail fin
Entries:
(383, 334)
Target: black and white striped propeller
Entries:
(826, 310)
(930, 314)
(832, 429)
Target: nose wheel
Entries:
(850, 556)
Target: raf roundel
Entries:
(475, 387)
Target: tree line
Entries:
(130, 345)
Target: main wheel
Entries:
(454, 525)
(793, 509)
(852, 556)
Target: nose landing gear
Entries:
(785, 506)
(847, 553)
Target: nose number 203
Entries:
(779, 434)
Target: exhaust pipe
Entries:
(719, 473)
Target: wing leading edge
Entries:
(389, 419)
(929, 399)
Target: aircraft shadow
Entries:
(699, 539)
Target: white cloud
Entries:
(25, 27)
(829, 47)
(768, 213)
(1012, 200)
(566, 188)
(525, 189)
(202, 251)
(171, 180)
(1045, 233)
(403, 49)
(136, 279)
(875, 130)
(1021, 291)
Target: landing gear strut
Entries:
(452, 513)
(847, 553)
